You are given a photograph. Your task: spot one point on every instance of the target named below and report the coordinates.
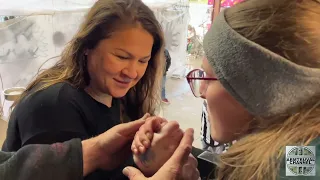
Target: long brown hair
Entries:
(291, 29)
(102, 19)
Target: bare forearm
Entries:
(90, 156)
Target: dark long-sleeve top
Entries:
(60, 113)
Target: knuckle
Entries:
(190, 172)
(163, 120)
(142, 128)
(150, 119)
(133, 175)
(180, 132)
(186, 148)
(136, 136)
(174, 123)
(136, 141)
(197, 173)
(143, 138)
(140, 134)
(176, 172)
(193, 160)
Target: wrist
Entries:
(91, 155)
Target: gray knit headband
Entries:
(265, 83)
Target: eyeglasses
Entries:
(198, 82)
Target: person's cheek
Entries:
(216, 127)
(111, 66)
(140, 73)
(143, 69)
(217, 110)
(210, 96)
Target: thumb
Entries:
(130, 128)
(181, 155)
(145, 116)
(133, 173)
(173, 167)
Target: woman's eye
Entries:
(204, 74)
(143, 62)
(123, 57)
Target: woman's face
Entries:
(119, 62)
(228, 119)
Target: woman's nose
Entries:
(131, 71)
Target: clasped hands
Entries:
(161, 150)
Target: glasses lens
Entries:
(197, 85)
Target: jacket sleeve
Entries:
(61, 161)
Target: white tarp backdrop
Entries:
(45, 26)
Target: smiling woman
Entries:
(108, 73)
(118, 63)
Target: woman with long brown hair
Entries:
(108, 74)
(262, 76)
